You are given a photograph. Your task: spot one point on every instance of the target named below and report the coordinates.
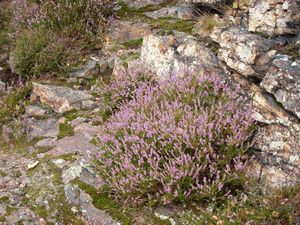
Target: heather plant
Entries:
(118, 90)
(181, 141)
(55, 31)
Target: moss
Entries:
(133, 43)
(102, 201)
(46, 181)
(4, 199)
(169, 24)
(65, 130)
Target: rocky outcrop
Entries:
(275, 17)
(246, 53)
(60, 99)
(283, 81)
(184, 12)
(167, 55)
(142, 3)
(204, 2)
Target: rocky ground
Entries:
(47, 167)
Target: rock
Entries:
(275, 17)
(124, 31)
(71, 173)
(276, 144)
(88, 104)
(32, 165)
(167, 55)
(93, 215)
(80, 142)
(242, 51)
(86, 71)
(60, 163)
(83, 201)
(204, 2)
(2, 87)
(142, 3)
(7, 133)
(184, 12)
(48, 128)
(283, 81)
(46, 142)
(60, 99)
(35, 111)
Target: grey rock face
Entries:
(275, 17)
(86, 71)
(242, 51)
(184, 12)
(34, 128)
(167, 55)
(204, 2)
(142, 3)
(35, 111)
(276, 138)
(60, 99)
(283, 81)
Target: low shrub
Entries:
(51, 29)
(181, 141)
(14, 103)
(117, 91)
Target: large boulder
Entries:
(168, 55)
(60, 99)
(275, 17)
(244, 52)
(283, 81)
(276, 141)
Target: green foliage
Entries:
(101, 200)
(49, 43)
(37, 53)
(133, 43)
(251, 207)
(14, 103)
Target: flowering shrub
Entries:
(87, 16)
(118, 91)
(181, 141)
(68, 27)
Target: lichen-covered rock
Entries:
(184, 12)
(167, 55)
(276, 140)
(275, 17)
(36, 128)
(35, 111)
(283, 81)
(242, 51)
(204, 2)
(60, 99)
(86, 71)
(142, 3)
(123, 31)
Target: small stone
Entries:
(71, 173)
(32, 165)
(35, 111)
(2, 86)
(60, 163)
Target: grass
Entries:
(165, 23)
(281, 207)
(133, 43)
(14, 104)
(126, 216)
